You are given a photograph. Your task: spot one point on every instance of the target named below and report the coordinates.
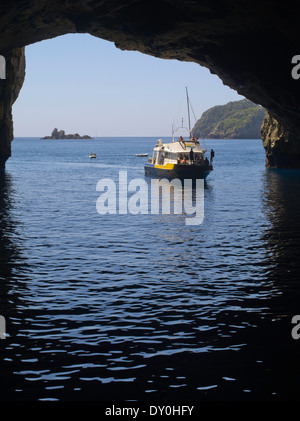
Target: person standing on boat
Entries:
(212, 154)
(191, 156)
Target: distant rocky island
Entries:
(60, 134)
(235, 120)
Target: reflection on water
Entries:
(6, 226)
(11, 261)
(144, 307)
(281, 204)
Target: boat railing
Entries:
(201, 163)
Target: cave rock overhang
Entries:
(238, 41)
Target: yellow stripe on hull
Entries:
(167, 166)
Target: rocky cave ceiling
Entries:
(249, 45)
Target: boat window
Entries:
(170, 155)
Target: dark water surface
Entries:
(144, 307)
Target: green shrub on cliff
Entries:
(235, 120)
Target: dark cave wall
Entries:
(9, 91)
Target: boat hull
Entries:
(180, 171)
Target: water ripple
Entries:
(145, 307)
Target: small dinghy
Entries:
(92, 155)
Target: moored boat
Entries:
(183, 159)
(179, 159)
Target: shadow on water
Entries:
(12, 277)
(281, 207)
(178, 328)
(10, 256)
(261, 359)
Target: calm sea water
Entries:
(144, 307)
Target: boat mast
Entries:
(188, 107)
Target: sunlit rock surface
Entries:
(281, 144)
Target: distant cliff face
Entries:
(235, 120)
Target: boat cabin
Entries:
(178, 152)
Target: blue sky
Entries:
(79, 83)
